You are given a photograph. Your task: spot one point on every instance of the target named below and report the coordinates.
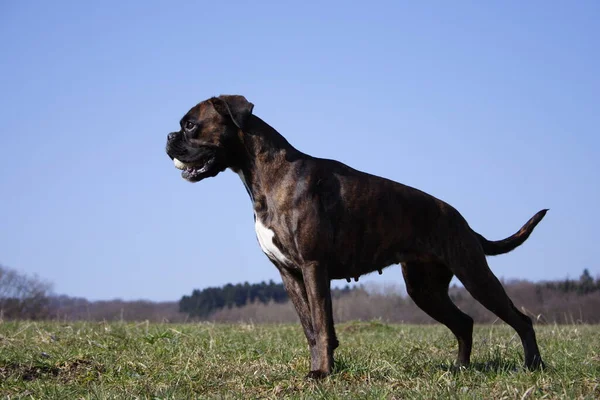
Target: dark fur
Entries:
(334, 222)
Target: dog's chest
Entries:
(265, 238)
(265, 235)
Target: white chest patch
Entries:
(265, 239)
(263, 234)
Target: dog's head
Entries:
(207, 140)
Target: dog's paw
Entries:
(535, 364)
(317, 375)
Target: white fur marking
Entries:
(263, 234)
(265, 239)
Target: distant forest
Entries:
(202, 303)
(562, 301)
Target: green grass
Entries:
(375, 360)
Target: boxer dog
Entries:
(318, 220)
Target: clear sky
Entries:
(493, 107)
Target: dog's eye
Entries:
(189, 125)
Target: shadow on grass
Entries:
(342, 365)
(354, 367)
(65, 371)
(495, 365)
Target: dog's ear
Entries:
(233, 106)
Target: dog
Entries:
(318, 219)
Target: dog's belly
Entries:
(358, 267)
(349, 263)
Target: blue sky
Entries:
(493, 107)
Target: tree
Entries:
(586, 283)
(22, 296)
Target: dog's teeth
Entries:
(178, 164)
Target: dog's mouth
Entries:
(196, 171)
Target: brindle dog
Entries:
(319, 220)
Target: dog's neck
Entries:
(263, 152)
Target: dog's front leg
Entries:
(317, 284)
(295, 288)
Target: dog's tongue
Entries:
(179, 164)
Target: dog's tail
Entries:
(493, 248)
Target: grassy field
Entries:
(375, 360)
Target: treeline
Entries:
(584, 285)
(31, 298)
(65, 308)
(202, 303)
(564, 301)
(561, 302)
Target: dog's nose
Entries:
(171, 136)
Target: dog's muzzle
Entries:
(196, 163)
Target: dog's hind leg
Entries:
(473, 271)
(427, 284)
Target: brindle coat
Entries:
(319, 220)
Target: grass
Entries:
(375, 360)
